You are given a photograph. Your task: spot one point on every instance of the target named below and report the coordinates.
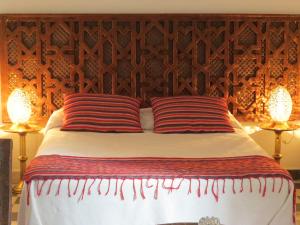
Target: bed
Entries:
(148, 201)
(146, 56)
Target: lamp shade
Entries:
(280, 105)
(18, 107)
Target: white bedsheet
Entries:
(241, 208)
(148, 144)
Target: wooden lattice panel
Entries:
(240, 57)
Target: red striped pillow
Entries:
(191, 114)
(101, 113)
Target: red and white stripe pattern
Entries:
(191, 114)
(101, 113)
(242, 171)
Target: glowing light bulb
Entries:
(18, 107)
(280, 105)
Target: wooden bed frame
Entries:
(240, 57)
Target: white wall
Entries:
(150, 6)
(290, 147)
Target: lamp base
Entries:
(20, 127)
(18, 188)
(279, 126)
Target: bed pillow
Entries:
(55, 120)
(190, 114)
(147, 120)
(146, 115)
(101, 113)
(234, 122)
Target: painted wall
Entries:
(290, 147)
(150, 6)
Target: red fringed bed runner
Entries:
(55, 167)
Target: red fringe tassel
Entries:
(41, 184)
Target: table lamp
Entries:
(280, 107)
(19, 112)
(19, 109)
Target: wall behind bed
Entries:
(150, 6)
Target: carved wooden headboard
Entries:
(241, 57)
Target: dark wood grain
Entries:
(5, 181)
(240, 57)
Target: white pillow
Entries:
(234, 122)
(146, 117)
(55, 120)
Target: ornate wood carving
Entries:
(241, 57)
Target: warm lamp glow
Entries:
(280, 105)
(18, 107)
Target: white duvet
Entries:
(241, 208)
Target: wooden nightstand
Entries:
(22, 156)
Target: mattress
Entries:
(232, 208)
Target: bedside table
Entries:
(22, 132)
(278, 131)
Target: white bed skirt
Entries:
(240, 208)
